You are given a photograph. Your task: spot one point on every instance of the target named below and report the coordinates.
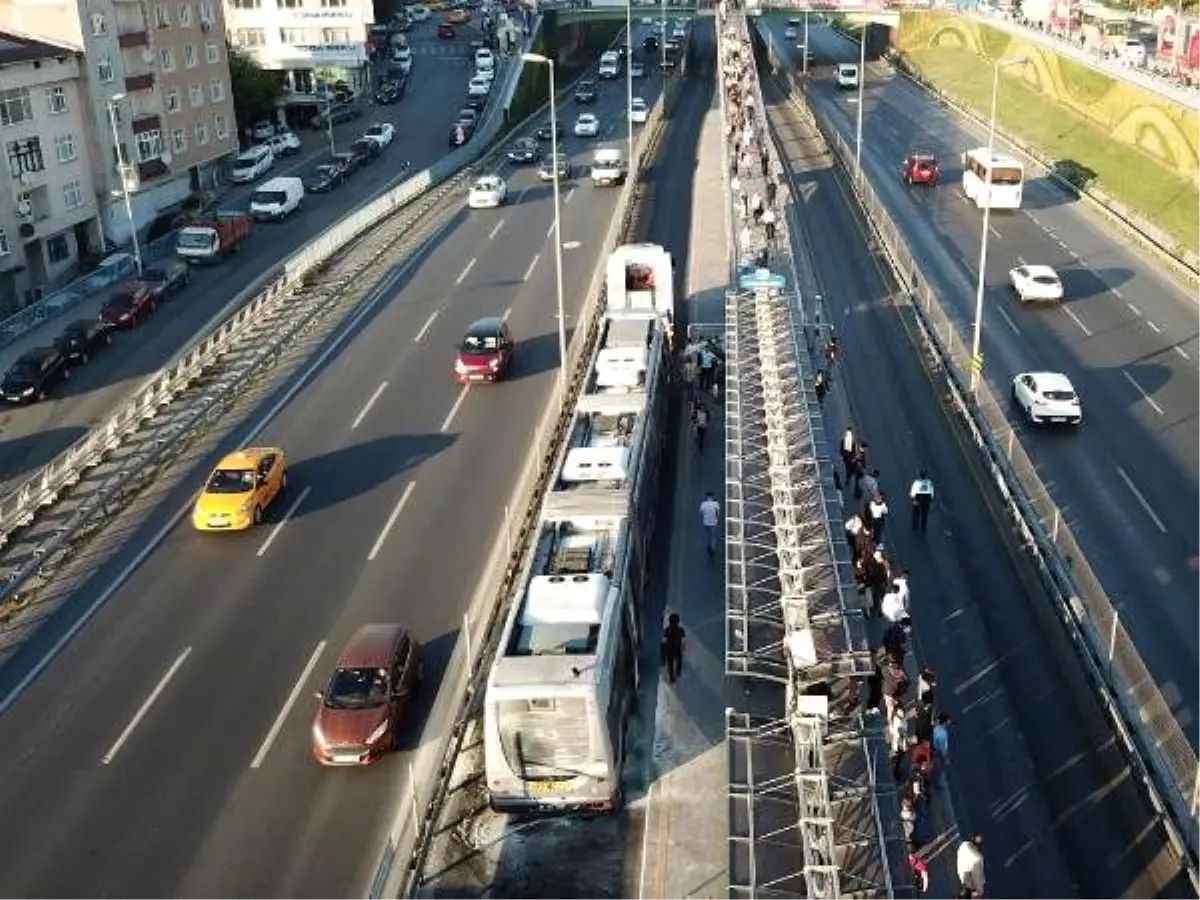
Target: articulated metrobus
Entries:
(996, 181)
(1103, 30)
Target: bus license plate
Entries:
(549, 787)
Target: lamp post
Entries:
(804, 60)
(122, 171)
(329, 124)
(862, 79)
(558, 244)
(977, 330)
(629, 78)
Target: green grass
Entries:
(1131, 177)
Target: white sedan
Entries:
(1036, 283)
(479, 86)
(487, 192)
(587, 125)
(1047, 397)
(381, 133)
(789, 33)
(638, 110)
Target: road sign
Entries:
(977, 363)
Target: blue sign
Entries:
(761, 279)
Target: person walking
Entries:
(877, 510)
(821, 385)
(941, 748)
(969, 866)
(710, 518)
(673, 638)
(869, 483)
(708, 368)
(921, 495)
(768, 223)
(848, 449)
(691, 371)
(898, 738)
(772, 190)
(700, 425)
(877, 578)
(756, 208)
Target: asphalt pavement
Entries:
(1034, 767)
(31, 436)
(1126, 335)
(173, 762)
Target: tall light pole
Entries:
(329, 124)
(804, 53)
(629, 78)
(977, 330)
(123, 172)
(862, 80)
(558, 243)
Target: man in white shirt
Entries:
(710, 518)
(768, 223)
(895, 602)
(969, 863)
(921, 495)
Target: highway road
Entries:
(161, 753)
(31, 436)
(1126, 335)
(1058, 812)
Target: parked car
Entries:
(390, 92)
(475, 103)
(278, 198)
(167, 278)
(262, 130)
(284, 143)
(638, 111)
(339, 114)
(479, 86)
(129, 304)
(460, 133)
(325, 177)
(381, 133)
(348, 162)
(468, 116)
(252, 164)
(83, 337)
(365, 150)
(34, 373)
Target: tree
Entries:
(255, 90)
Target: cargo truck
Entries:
(211, 240)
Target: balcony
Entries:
(147, 122)
(132, 38)
(152, 168)
(144, 82)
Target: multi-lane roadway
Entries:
(31, 436)
(165, 752)
(1058, 810)
(1126, 335)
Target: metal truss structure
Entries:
(804, 811)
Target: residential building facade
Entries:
(48, 205)
(311, 43)
(159, 93)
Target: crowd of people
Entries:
(916, 726)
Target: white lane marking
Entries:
(1153, 327)
(1116, 292)
(286, 516)
(995, 233)
(570, 194)
(465, 272)
(532, 265)
(1011, 324)
(145, 707)
(1137, 387)
(521, 196)
(1074, 255)
(1142, 500)
(550, 230)
(458, 401)
(391, 520)
(1182, 353)
(1062, 244)
(1078, 321)
(425, 328)
(1133, 309)
(495, 229)
(265, 747)
(362, 414)
(507, 313)
(297, 385)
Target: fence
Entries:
(1134, 701)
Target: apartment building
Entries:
(48, 207)
(311, 43)
(159, 96)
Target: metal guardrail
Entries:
(1158, 749)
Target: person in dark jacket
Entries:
(673, 638)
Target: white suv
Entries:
(847, 75)
(484, 60)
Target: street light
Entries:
(629, 77)
(329, 123)
(122, 171)
(977, 331)
(558, 246)
(804, 61)
(862, 80)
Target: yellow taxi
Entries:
(458, 17)
(242, 485)
(436, 5)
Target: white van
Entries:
(847, 75)
(610, 64)
(277, 199)
(484, 60)
(252, 164)
(1133, 53)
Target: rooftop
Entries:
(17, 49)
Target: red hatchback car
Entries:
(921, 168)
(486, 352)
(362, 707)
(446, 31)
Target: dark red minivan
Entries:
(485, 353)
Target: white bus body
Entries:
(997, 182)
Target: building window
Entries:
(173, 100)
(99, 24)
(162, 16)
(250, 37)
(190, 59)
(221, 128)
(201, 133)
(291, 4)
(179, 140)
(196, 94)
(25, 156)
(15, 106)
(247, 4)
(104, 70)
(333, 4)
(167, 55)
(56, 100)
(73, 194)
(57, 247)
(64, 148)
(335, 36)
(4, 248)
(149, 145)
(216, 90)
(207, 16)
(292, 35)
(185, 15)
(212, 53)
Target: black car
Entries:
(348, 162)
(546, 130)
(389, 92)
(33, 374)
(83, 337)
(366, 150)
(164, 280)
(650, 43)
(338, 115)
(586, 92)
(468, 117)
(525, 150)
(324, 177)
(565, 170)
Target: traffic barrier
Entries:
(1156, 746)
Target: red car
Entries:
(486, 352)
(446, 31)
(921, 168)
(130, 302)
